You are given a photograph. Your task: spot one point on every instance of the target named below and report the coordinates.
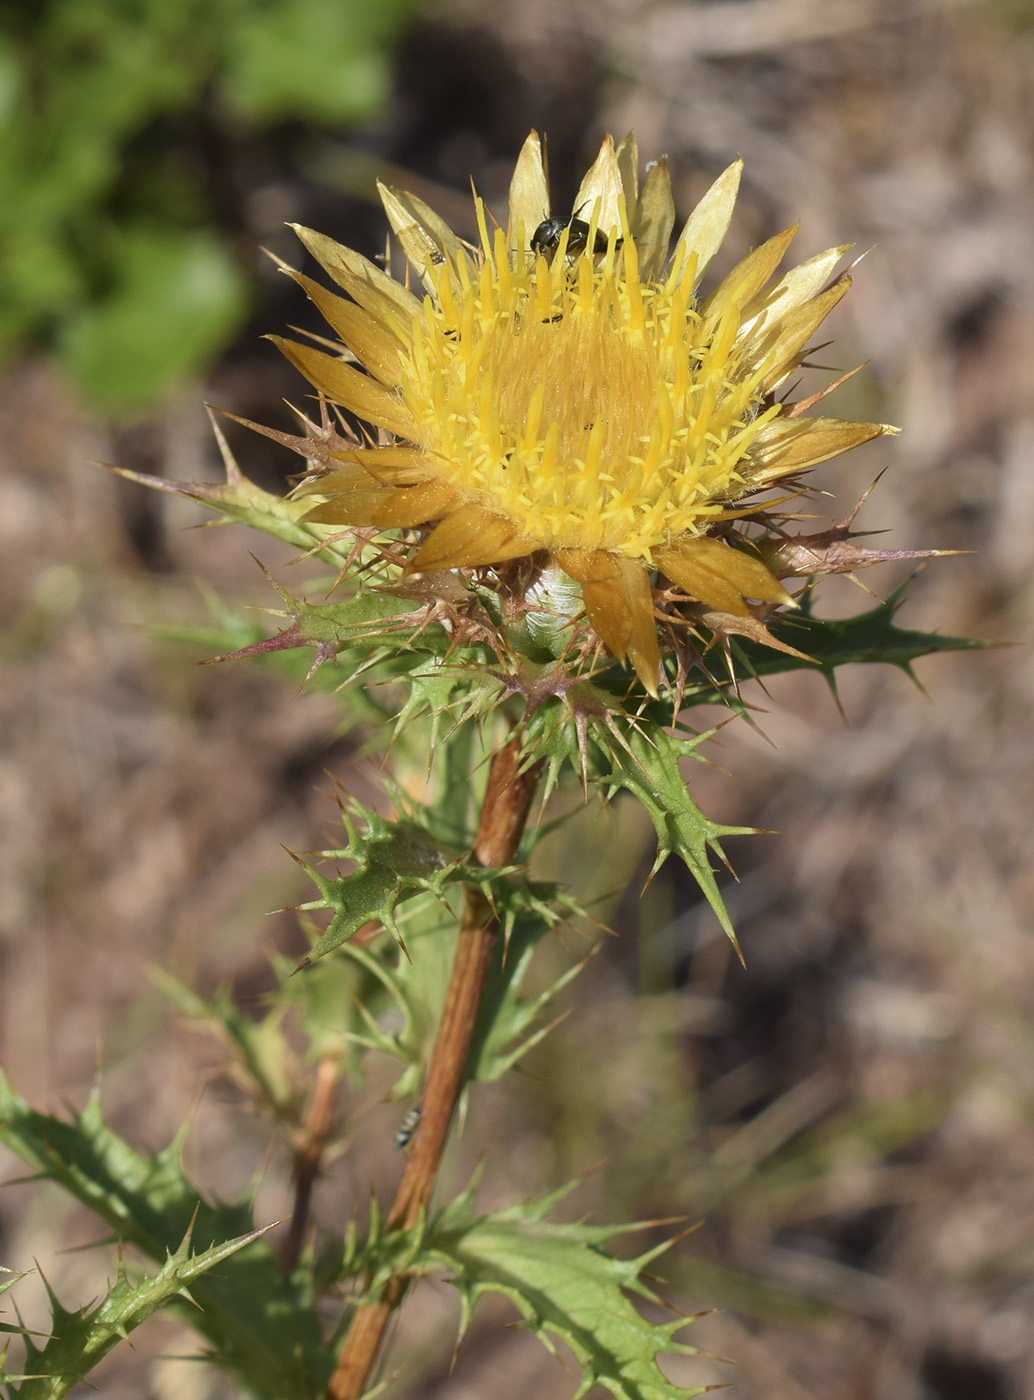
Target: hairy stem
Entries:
(504, 813)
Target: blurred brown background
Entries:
(852, 1117)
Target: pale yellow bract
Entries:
(584, 406)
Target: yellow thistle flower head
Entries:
(560, 392)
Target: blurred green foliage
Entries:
(1013, 16)
(109, 113)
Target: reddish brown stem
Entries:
(309, 1155)
(504, 814)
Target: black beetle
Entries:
(546, 238)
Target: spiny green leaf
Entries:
(394, 861)
(360, 622)
(15, 1329)
(646, 764)
(413, 984)
(567, 1288)
(399, 860)
(240, 502)
(80, 1339)
(377, 638)
(448, 691)
(381, 1254)
(259, 1323)
(508, 1024)
(640, 756)
(866, 638)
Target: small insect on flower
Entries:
(546, 238)
(408, 1127)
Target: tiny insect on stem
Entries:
(407, 1128)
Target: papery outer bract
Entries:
(584, 407)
